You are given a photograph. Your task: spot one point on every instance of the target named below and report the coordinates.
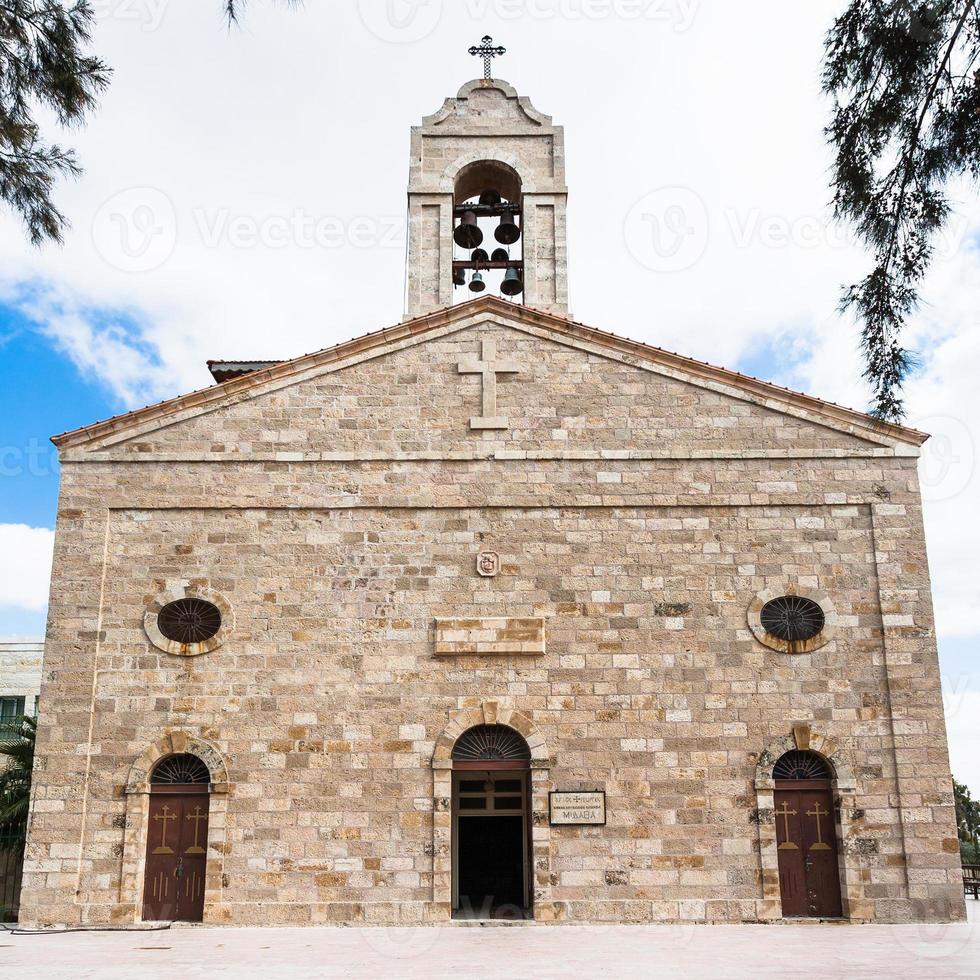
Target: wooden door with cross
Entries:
(176, 854)
(806, 836)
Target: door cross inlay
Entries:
(786, 813)
(197, 817)
(165, 816)
(489, 367)
(818, 813)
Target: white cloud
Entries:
(25, 571)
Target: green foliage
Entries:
(906, 121)
(967, 823)
(44, 65)
(16, 765)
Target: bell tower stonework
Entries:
(487, 145)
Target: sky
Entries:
(244, 197)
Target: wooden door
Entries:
(806, 835)
(176, 854)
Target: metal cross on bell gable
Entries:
(487, 52)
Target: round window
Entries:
(792, 618)
(786, 621)
(189, 620)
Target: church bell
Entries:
(479, 255)
(490, 198)
(499, 255)
(507, 231)
(477, 285)
(512, 284)
(467, 233)
(459, 277)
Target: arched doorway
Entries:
(491, 824)
(177, 840)
(806, 836)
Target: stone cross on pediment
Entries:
(489, 367)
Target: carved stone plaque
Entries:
(488, 564)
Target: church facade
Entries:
(490, 614)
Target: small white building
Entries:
(20, 677)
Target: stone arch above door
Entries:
(805, 739)
(489, 713)
(171, 744)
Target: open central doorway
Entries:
(491, 825)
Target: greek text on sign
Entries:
(578, 809)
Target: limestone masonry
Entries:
(589, 576)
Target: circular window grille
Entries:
(189, 620)
(490, 742)
(183, 768)
(801, 765)
(792, 618)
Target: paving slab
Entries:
(528, 950)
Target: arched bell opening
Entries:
(488, 224)
(808, 853)
(491, 813)
(177, 840)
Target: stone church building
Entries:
(490, 614)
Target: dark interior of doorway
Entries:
(491, 868)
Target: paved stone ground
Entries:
(804, 951)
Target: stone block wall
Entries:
(620, 518)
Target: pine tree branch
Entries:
(909, 155)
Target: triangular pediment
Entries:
(417, 389)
